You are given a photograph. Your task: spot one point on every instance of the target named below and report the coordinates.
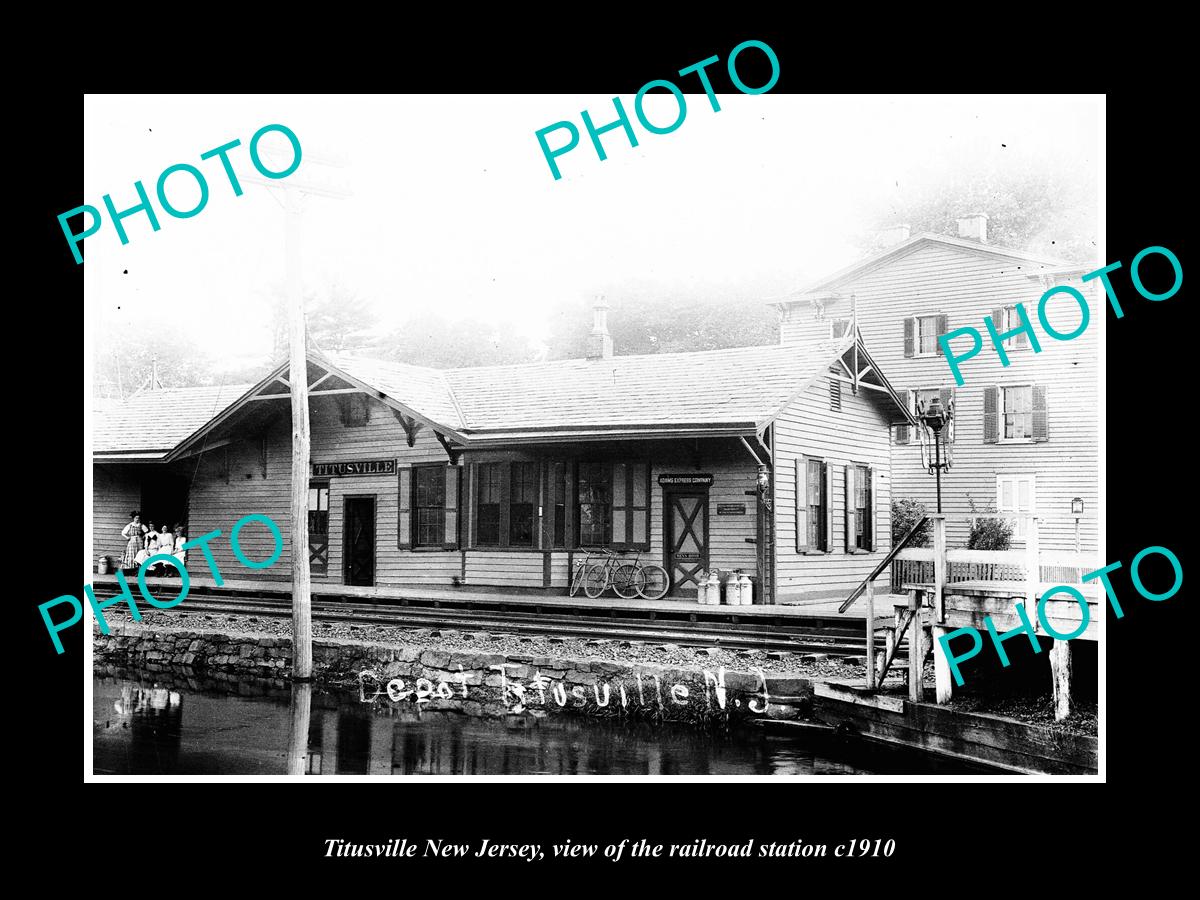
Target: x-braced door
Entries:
(686, 538)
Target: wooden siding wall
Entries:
(116, 491)
(727, 534)
(215, 504)
(858, 433)
(966, 286)
(728, 548)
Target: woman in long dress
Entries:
(134, 534)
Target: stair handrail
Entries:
(849, 601)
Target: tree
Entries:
(128, 353)
(1040, 206)
(664, 322)
(428, 339)
(338, 320)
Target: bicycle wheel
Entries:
(627, 581)
(595, 580)
(577, 581)
(655, 582)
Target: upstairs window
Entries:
(839, 328)
(921, 335)
(1006, 319)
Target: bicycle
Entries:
(628, 580)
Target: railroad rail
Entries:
(796, 634)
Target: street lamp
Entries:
(935, 417)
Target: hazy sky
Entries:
(453, 206)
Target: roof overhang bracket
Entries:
(410, 425)
(450, 451)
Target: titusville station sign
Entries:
(354, 467)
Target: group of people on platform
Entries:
(144, 541)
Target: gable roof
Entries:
(1043, 265)
(149, 424)
(735, 392)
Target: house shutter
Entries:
(450, 542)
(827, 505)
(998, 319)
(849, 511)
(942, 327)
(902, 430)
(991, 415)
(1041, 424)
(472, 511)
(873, 507)
(946, 395)
(404, 519)
(801, 504)
(910, 336)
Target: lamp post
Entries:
(935, 418)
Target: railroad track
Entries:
(797, 635)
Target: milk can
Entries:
(710, 589)
(702, 588)
(102, 565)
(731, 590)
(745, 590)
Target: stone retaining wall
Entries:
(473, 682)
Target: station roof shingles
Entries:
(733, 391)
(149, 424)
(742, 386)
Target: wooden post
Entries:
(916, 658)
(298, 375)
(870, 635)
(941, 666)
(1033, 574)
(941, 569)
(301, 713)
(1060, 670)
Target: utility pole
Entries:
(298, 375)
(294, 190)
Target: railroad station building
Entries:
(772, 460)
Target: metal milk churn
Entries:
(710, 588)
(102, 565)
(745, 590)
(731, 590)
(702, 589)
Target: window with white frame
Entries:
(927, 334)
(1016, 499)
(839, 328)
(1010, 320)
(1016, 412)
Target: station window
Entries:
(522, 504)
(429, 506)
(487, 508)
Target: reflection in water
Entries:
(200, 727)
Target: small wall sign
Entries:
(698, 479)
(731, 509)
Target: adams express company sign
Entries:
(354, 467)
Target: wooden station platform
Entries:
(483, 597)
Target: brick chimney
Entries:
(600, 341)
(896, 234)
(973, 227)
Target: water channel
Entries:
(147, 726)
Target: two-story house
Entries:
(1024, 439)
